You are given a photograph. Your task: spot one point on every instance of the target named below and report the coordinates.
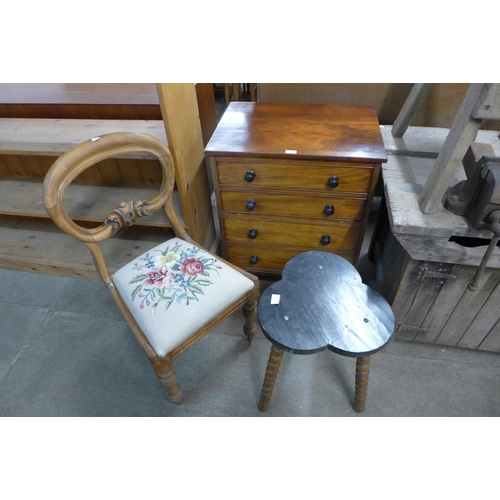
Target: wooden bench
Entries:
(29, 240)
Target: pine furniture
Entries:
(293, 177)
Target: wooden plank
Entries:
(445, 303)
(206, 106)
(79, 93)
(462, 133)
(90, 203)
(11, 165)
(415, 306)
(410, 108)
(53, 137)
(488, 104)
(423, 298)
(32, 166)
(485, 320)
(403, 180)
(395, 272)
(109, 171)
(41, 247)
(466, 310)
(95, 101)
(134, 171)
(180, 113)
(492, 341)
(427, 142)
(6, 168)
(434, 249)
(113, 170)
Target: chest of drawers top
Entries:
(300, 131)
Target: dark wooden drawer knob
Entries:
(251, 204)
(329, 209)
(254, 259)
(325, 239)
(252, 233)
(333, 181)
(250, 176)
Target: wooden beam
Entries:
(488, 104)
(39, 246)
(50, 137)
(179, 108)
(410, 108)
(206, 105)
(460, 137)
(92, 203)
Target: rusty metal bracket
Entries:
(425, 273)
(400, 326)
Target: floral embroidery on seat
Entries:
(178, 274)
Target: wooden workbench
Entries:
(425, 262)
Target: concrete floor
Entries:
(66, 351)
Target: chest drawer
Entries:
(266, 203)
(299, 175)
(268, 258)
(280, 232)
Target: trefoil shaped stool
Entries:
(321, 303)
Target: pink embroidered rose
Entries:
(192, 267)
(159, 278)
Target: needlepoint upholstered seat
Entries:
(174, 293)
(173, 289)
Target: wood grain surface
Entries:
(292, 205)
(292, 176)
(311, 130)
(295, 176)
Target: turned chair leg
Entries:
(250, 314)
(273, 366)
(164, 368)
(361, 385)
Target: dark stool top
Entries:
(324, 304)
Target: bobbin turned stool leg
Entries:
(273, 366)
(361, 385)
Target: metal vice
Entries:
(478, 197)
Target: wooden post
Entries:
(460, 137)
(410, 108)
(206, 106)
(179, 109)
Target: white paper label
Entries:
(275, 299)
(291, 151)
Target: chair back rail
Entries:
(72, 163)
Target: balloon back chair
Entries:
(175, 293)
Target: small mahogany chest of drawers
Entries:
(290, 178)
